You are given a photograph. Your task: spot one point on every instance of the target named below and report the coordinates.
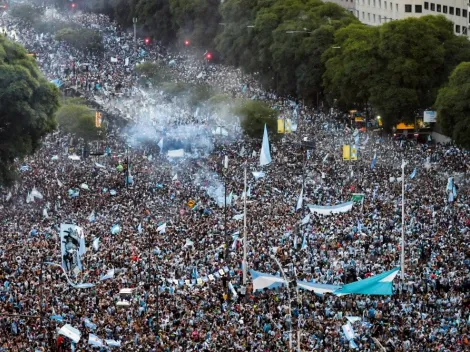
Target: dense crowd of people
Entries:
(162, 228)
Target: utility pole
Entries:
(134, 22)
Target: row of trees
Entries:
(312, 50)
(31, 108)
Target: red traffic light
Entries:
(208, 56)
(147, 40)
(73, 5)
(186, 42)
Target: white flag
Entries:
(109, 275)
(300, 200)
(95, 341)
(306, 219)
(35, 194)
(60, 184)
(175, 177)
(162, 228)
(160, 144)
(265, 155)
(96, 244)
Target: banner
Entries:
(429, 116)
(72, 246)
(357, 197)
(328, 210)
(346, 152)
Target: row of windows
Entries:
(379, 3)
(457, 29)
(378, 19)
(419, 8)
(444, 9)
(382, 19)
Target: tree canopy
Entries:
(77, 118)
(81, 38)
(453, 106)
(254, 114)
(396, 68)
(27, 109)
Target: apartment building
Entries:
(376, 12)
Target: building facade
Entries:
(349, 5)
(376, 12)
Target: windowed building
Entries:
(347, 4)
(376, 12)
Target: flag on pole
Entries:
(413, 174)
(300, 200)
(96, 244)
(304, 243)
(115, 229)
(92, 217)
(139, 228)
(265, 155)
(306, 219)
(160, 144)
(372, 164)
(175, 178)
(162, 228)
(109, 275)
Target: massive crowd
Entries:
(429, 310)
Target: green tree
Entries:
(81, 38)
(350, 64)
(156, 19)
(415, 64)
(26, 13)
(197, 21)
(453, 106)
(77, 118)
(28, 107)
(154, 72)
(200, 93)
(254, 115)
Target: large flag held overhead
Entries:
(265, 155)
(262, 281)
(376, 285)
(328, 210)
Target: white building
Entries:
(347, 4)
(376, 12)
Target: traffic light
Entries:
(147, 40)
(186, 42)
(98, 119)
(73, 5)
(208, 56)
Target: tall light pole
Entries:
(245, 264)
(134, 22)
(288, 297)
(224, 172)
(402, 271)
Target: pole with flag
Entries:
(265, 155)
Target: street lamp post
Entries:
(134, 22)
(224, 172)
(402, 271)
(245, 264)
